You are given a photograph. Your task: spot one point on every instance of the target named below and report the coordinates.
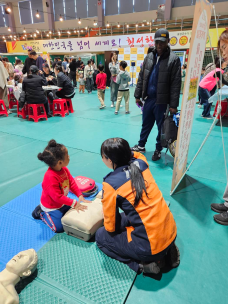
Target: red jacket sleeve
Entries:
(97, 79)
(73, 186)
(54, 191)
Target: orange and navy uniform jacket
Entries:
(152, 227)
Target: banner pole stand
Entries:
(219, 109)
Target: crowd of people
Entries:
(144, 235)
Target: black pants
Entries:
(72, 76)
(152, 112)
(62, 94)
(89, 84)
(116, 246)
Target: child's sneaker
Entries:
(112, 105)
(116, 112)
(121, 106)
(127, 112)
(102, 107)
(36, 212)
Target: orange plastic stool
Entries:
(70, 105)
(36, 112)
(60, 107)
(3, 110)
(23, 112)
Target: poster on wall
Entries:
(201, 23)
(130, 55)
(181, 55)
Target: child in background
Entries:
(101, 85)
(81, 83)
(123, 79)
(11, 82)
(57, 182)
(18, 78)
(201, 77)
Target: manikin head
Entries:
(23, 264)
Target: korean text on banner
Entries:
(201, 23)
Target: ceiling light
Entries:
(47, 35)
(15, 36)
(50, 32)
(136, 25)
(86, 28)
(37, 31)
(68, 32)
(79, 21)
(142, 24)
(60, 18)
(23, 37)
(75, 32)
(127, 25)
(82, 31)
(148, 22)
(15, 39)
(59, 33)
(107, 24)
(24, 31)
(9, 29)
(4, 37)
(78, 31)
(37, 14)
(54, 38)
(95, 23)
(11, 36)
(34, 35)
(30, 35)
(156, 28)
(4, 40)
(8, 9)
(118, 24)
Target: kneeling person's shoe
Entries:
(150, 268)
(222, 218)
(156, 156)
(36, 212)
(219, 208)
(173, 256)
(137, 148)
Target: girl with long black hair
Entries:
(143, 235)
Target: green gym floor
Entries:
(202, 274)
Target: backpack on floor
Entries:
(168, 131)
(87, 186)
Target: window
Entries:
(111, 7)
(3, 17)
(28, 10)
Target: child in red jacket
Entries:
(57, 182)
(101, 85)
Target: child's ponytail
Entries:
(52, 153)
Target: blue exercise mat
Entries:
(18, 230)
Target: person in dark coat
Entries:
(32, 86)
(72, 74)
(28, 62)
(65, 83)
(51, 80)
(158, 85)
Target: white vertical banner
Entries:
(201, 24)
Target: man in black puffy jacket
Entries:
(32, 86)
(159, 85)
